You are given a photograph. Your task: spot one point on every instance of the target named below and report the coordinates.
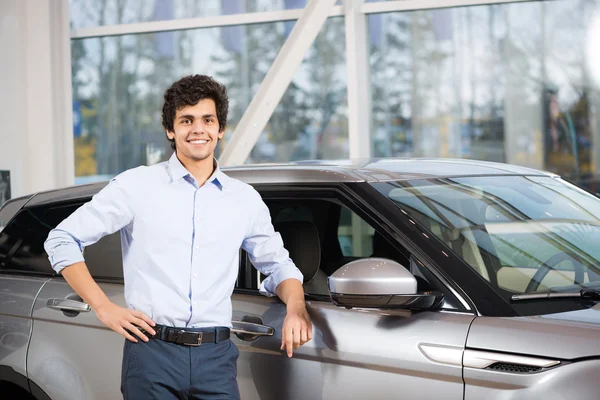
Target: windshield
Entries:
(523, 234)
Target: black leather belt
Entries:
(190, 337)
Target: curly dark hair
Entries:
(188, 91)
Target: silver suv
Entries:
(424, 279)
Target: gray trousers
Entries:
(162, 370)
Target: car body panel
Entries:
(17, 295)
(421, 168)
(567, 336)
(354, 354)
(570, 381)
(74, 358)
(329, 171)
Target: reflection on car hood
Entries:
(567, 335)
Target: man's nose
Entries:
(198, 126)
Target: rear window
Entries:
(22, 240)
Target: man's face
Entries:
(196, 131)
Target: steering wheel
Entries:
(549, 265)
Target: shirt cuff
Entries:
(268, 287)
(65, 255)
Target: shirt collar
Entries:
(218, 177)
(178, 171)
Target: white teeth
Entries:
(198, 141)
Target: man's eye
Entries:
(209, 120)
(186, 121)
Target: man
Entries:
(182, 223)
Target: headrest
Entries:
(301, 239)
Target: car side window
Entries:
(104, 258)
(323, 235)
(355, 235)
(22, 244)
(22, 240)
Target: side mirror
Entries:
(379, 283)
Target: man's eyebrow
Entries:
(188, 116)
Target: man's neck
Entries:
(201, 170)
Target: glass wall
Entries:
(506, 82)
(119, 81)
(91, 13)
(311, 120)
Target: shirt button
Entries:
(194, 304)
(195, 275)
(196, 247)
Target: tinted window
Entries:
(104, 258)
(9, 209)
(22, 241)
(521, 234)
(342, 234)
(25, 235)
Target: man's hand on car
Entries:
(297, 328)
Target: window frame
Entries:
(77, 202)
(346, 197)
(5, 268)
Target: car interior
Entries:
(499, 260)
(322, 236)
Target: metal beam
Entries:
(359, 82)
(276, 81)
(62, 92)
(268, 16)
(195, 23)
(414, 5)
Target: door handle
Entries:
(251, 328)
(68, 305)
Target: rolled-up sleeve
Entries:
(107, 212)
(265, 248)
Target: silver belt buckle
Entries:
(200, 334)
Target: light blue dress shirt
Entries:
(180, 242)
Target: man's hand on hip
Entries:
(125, 321)
(297, 328)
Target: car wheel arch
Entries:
(10, 376)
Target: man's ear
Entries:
(170, 135)
(221, 134)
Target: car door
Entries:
(355, 353)
(72, 355)
(19, 284)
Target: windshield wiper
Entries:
(583, 293)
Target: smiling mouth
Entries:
(197, 141)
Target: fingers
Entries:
(142, 324)
(297, 331)
(288, 341)
(295, 337)
(125, 334)
(303, 335)
(144, 317)
(135, 330)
